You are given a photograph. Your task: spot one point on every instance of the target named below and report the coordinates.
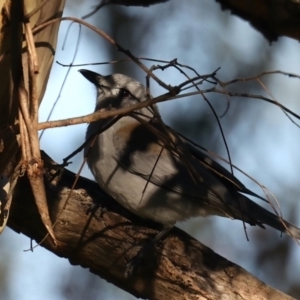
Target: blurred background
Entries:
(262, 141)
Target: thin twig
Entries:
(109, 39)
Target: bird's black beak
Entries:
(91, 76)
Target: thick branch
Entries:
(105, 240)
(144, 3)
(273, 18)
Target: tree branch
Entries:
(273, 18)
(108, 237)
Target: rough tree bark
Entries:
(95, 232)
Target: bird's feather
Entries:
(195, 176)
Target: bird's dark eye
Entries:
(124, 93)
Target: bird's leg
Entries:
(147, 247)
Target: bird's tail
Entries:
(254, 214)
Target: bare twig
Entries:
(110, 40)
(225, 83)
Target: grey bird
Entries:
(155, 173)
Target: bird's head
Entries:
(116, 90)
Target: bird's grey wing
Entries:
(220, 172)
(182, 175)
(190, 178)
(223, 175)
